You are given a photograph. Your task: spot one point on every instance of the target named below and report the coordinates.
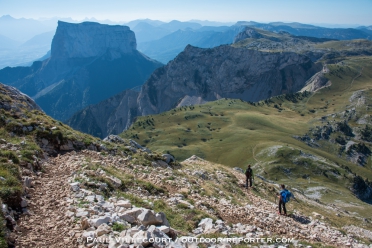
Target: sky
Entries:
(346, 12)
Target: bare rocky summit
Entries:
(75, 40)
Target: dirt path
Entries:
(352, 81)
(47, 225)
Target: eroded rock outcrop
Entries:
(247, 33)
(362, 189)
(16, 99)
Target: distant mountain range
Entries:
(15, 53)
(159, 40)
(167, 48)
(21, 29)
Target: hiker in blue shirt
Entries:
(284, 197)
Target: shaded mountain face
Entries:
(89, 62)
(197, 76)
(110, 116)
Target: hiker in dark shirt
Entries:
(284, 196)
(248, 176)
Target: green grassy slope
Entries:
(221, 131)
(235, 133)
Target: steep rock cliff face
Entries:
(112, 115)
(89, 62)
(75, 40)
(197, 76)
(224, 71)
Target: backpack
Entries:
(286, 195)
(248, 172)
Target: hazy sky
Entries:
(305, 11)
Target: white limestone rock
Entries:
(123, 203)
(148, 217)
(103, 229)
(99, 221)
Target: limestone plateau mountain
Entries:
(89, 62)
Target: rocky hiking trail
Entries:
(57, 218)
(46, 224)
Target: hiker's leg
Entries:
(285, 210)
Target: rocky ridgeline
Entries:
(66, 207)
